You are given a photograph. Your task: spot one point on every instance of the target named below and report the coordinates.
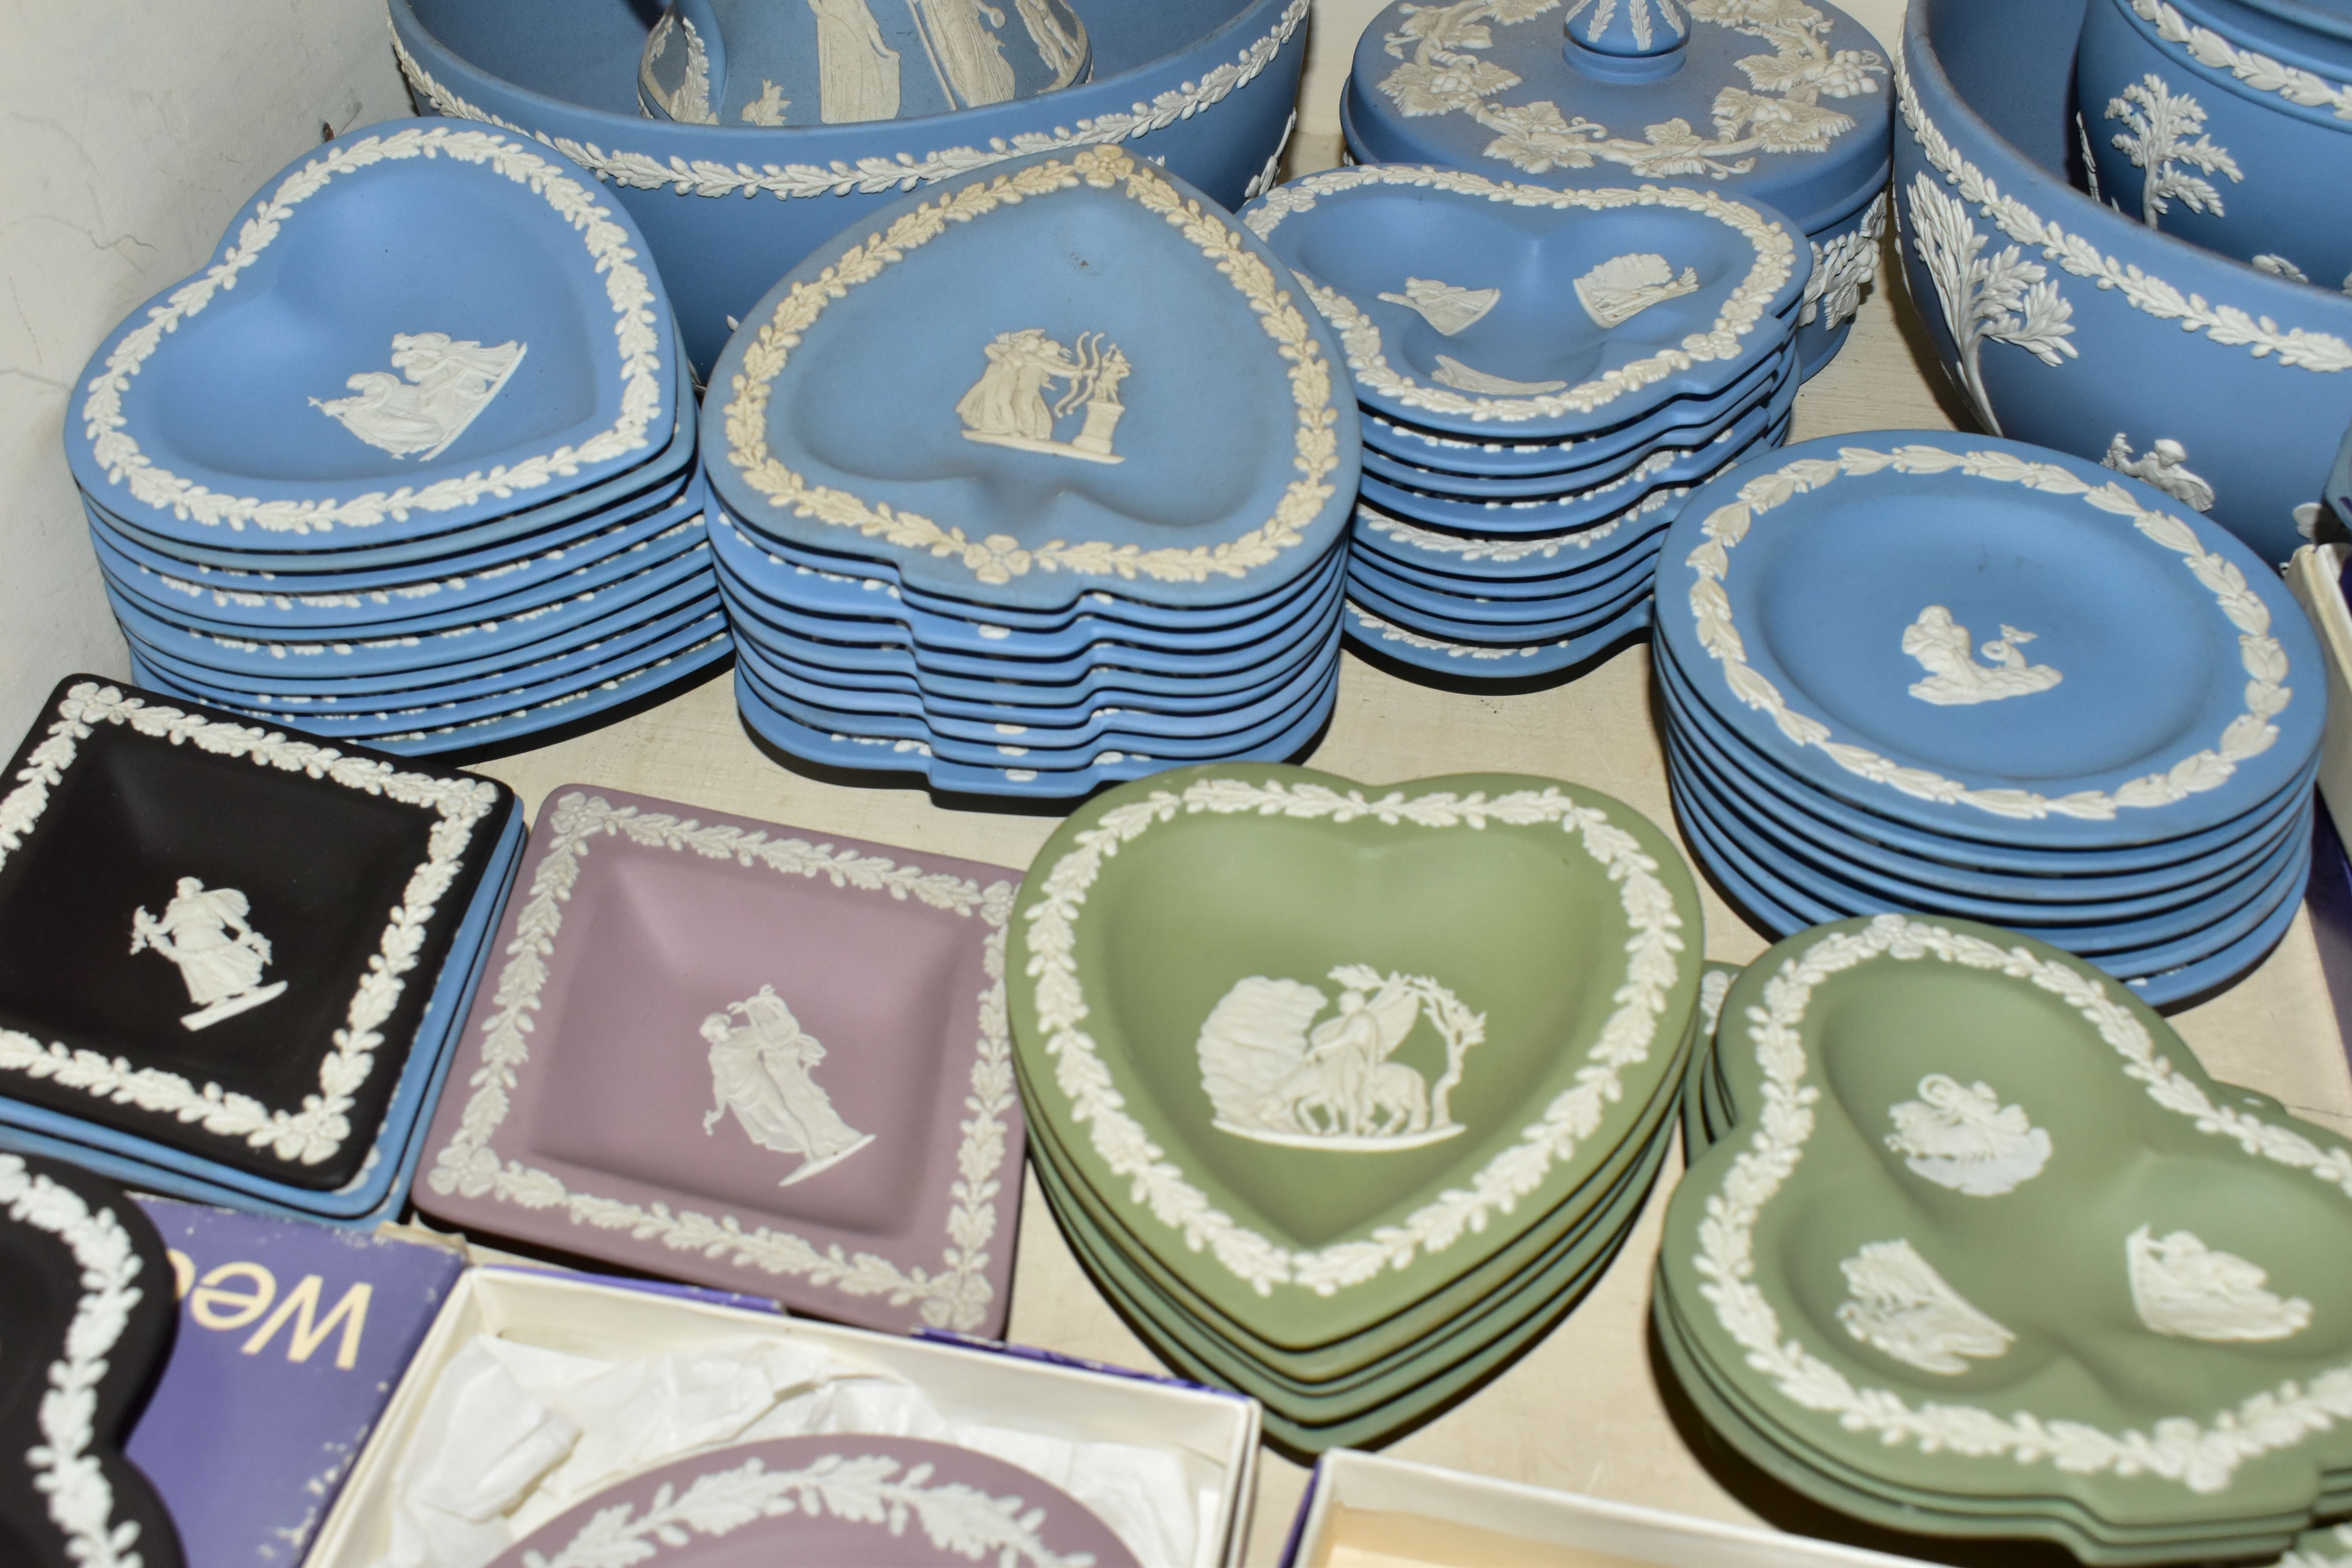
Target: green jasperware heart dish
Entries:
(1326, 1047)
(1981, 1227)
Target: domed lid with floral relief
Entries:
(1775, 100)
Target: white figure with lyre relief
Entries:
(449, 381)
(1955, 679)
(220, 957)
(1007, 407)
(760, 1070)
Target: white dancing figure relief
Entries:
(1954, 676)
(1962, 1137)
(1272, 1078)
(220, 957)
(760, 1070)
(2189, 1290)
(1621, 288)
(1444, 306)
(856, 70)
(1900, 1305)
(965, 54)
(449, 381)
(1453, 372)
(1007, 407)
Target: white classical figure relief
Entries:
(2164, 135)
(449, 381)
(1622, 287)
(964, 52)
(1007, 407)
(1444, 306)
(1453, 372)
(1060, 48)
(1276, 1075)
(1962, 1137)
(2165, 465)
(1954, 676)
(856, 70)
(220, 957)
(1899, 1303)
(761, 1067)
(2189, 1290)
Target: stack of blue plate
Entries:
(410, 461)
(1953, 675)
(1038, 482)
(1542, 373)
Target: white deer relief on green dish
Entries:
(2189, 1290)
(1898, 1304)
(1443, 306)
(762, 1068)
(449, 381)
(1007, 407)
(1955, 679)
(204, 931)
(2164, 137)
(1962, 1137)
(1622, 287)
(1276, 1074)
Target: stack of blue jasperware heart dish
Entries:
(1037, 482)
(1542, 374)
(1948, 674)
(411, 460)
(235, 959)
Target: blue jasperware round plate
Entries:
(1471, 306)
(1073, 373)
(1492, 661)
(1990, 641)
(414, 328)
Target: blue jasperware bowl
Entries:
(1203, 87)
(2081, 328)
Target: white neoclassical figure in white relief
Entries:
(1962, 1137)
(1276, 1074)
(856, 70)
(1454, 373)
(1443, 305)
(760, 1068)
(1899, 1303)
(1057, 47)
(965, 53)
(1622, 287)
(1007, 407)
(2192, 1292)
(220, 957)
(1954, 678)
(449, 381)
(2165, 465)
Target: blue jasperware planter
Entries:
(1203, 87)
(2069, 324)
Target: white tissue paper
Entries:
(514, 1434)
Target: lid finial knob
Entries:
(1626, 40)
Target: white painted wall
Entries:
(133, 131)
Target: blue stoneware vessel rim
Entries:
(632, 413)
(2313, 30)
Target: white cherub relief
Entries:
(220, 957)
(1962, 1137)
(1443, 306)
(767, 109)
(2189, 1290)
(1955, 679)
(1900, 1305)
(1276, 1075)
(1621, 288)
(2164, 465)
(1007, 407)
(449, 381)
(760, 1069)
(1453, 372)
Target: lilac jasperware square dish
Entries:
(726, 1052)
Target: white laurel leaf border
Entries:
(2228, 325)
(1654, 967)
(2248, 735)
(957, 1517)
(82, 1500)
(2201, 1455)
(1775, 251)
(316, 1131)
(638, 335)
(874, 175)
(958, 1296)
(2258, 71)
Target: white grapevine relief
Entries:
(2165, 130)
(761, 1069)
(1900, 1305)
(1276, 1076)
(220, 957)
(1007, 407)
(1453, 372)
(1444, 306)
(1954, 676)
(2189, 1290)
(2001, 299)
(1622, 287)
(2166, 465)
(449, 381)
(1962, 1137)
